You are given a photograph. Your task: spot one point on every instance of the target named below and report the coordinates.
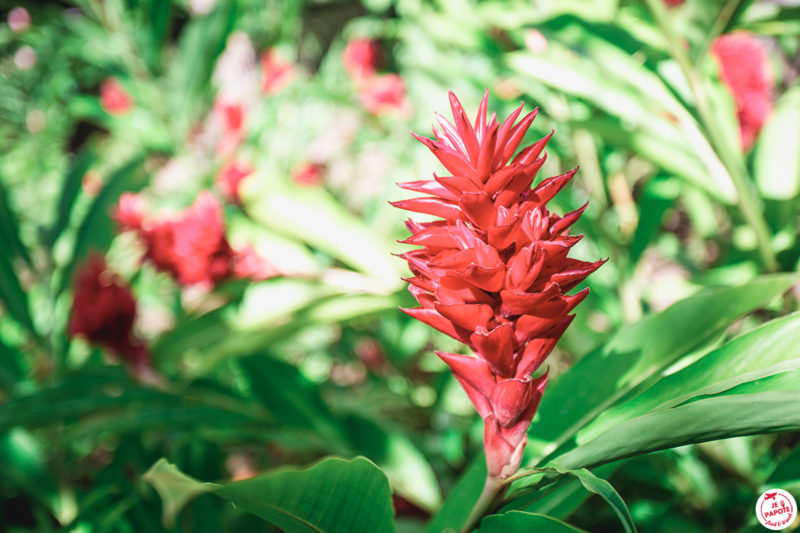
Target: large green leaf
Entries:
(296, 402)
(522, 522)
(770, 349)
(728, 415)
(332, 496)
(638, 354)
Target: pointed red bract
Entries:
(494, 273)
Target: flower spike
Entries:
(493, 273)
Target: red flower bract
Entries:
(744, 68)
(191, 246)
(494, 272)
(103, 311)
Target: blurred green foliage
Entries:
(319, 361)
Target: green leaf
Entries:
(602, 488)
(175, 488)
(22, 463)
(522, 522)
(97, 229)
(9, 229)
(724, 416)
(70, 188)
(777, 159)
(786, 475)
(767, 350)
(332, 496)
(459, 503)
(12, 296)
(559, 499)
(202, 41)
(315, 217)
(638, 354)
(294, 400)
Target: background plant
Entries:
(161, 98)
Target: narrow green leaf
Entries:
(522, 522)
(332, 496)
(9, 229)
(12, 296)
(70, 187)
(97, 229)
(559, 499)
(602, 488)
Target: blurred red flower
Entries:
(362, 58)
(745, 70)
(383, 94)
(191, 246)
(230, 177)
(114, 99)
(277, 72)
(308, 174)
(103, 312)
(493, 273)
(672, 3)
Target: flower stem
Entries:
(490, 490)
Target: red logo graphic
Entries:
(776, 509)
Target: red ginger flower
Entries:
(494, 273)
(745, 70)
(103, 311)
(192, 245)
